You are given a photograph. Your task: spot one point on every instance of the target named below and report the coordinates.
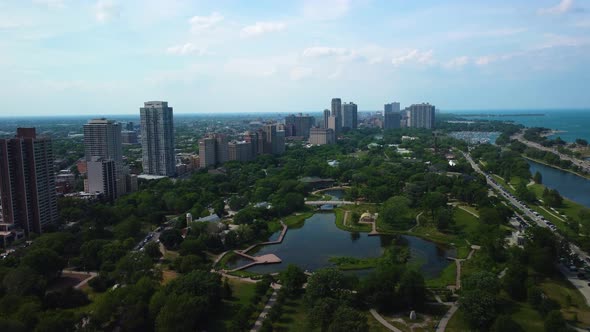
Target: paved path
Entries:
(468, 211)
(383, 322)
(442, 325)
(271, 302)
(346, 213)
(91, 275)
(417, 221)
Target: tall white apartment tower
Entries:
(157, 139)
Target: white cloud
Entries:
(105, 10)
(325, 9)
(185, 49)
(555, 40)
(51, 3)
(457, 62)
(320, 51)
(201, 23)
(485, 60)
(262, 27)
(562, 7)
(414, 56)
(298, 73)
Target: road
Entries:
(583, 164)
(581, 285)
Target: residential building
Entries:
(157, 138)
(129, 137)
(273, 139)
(349, 115)
(337, 112)
(27, 182)
(207, 153)
(422, 115)
(391, 120)
(240, 151)
(321, 136)
(102, 138)
(103, 178)
(326, 117)
(392, 107)
(298, 125)
(221, 151)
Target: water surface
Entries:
(569, 185)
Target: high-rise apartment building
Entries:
(207, 153)
(349, 115)
(273, 139)
(102, 138)
(298, 125)
(326, 117)
(333, 122)
(240, 151)
(321, 136)
(221, 151)
(27, 181)
(337, 112)
(393, 107)
(104, 176)
(157, 138)
(422, 115)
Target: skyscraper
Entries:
(274, 140)
(157, 139)
(240, 151)
(337, 112)
(349, 115)
(221, 150)
(393, 107)
(207, 153)
(102, 138)
(104, 177)
(299, 125)
(27, 181)
(422, 115)
(391, 116)
(326, 117)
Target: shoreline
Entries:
(587, 177)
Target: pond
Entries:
(311, 246)
(335, 194)
(569, 185)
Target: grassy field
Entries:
(447, 277)
(294, 317)
(351, 263)
(350, 226)
(573, 305)
(242, 294)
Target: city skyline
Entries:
(104, 57)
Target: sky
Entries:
(66, 57)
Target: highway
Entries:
(582, 286)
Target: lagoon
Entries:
(311, 246)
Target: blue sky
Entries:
(108, 56)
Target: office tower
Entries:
(349, 115)
(326, 117)
(321, 136)
(27, 181)
(298, 125)
(129, 126)
(337, 112)
(393, 107)
(207, 153)
(102, 138)
(240, 151)
(333, 122)
(157, 138)
(221, 153)
(421, 116)
(103, 177)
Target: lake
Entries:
(311, 246)
(569, 185)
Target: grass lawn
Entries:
(527, 317)
(448, 276)
(350, 227)
(351, 263)
(297, 220)
(573, 305)
(242, 293)
(457, 323)
(294, 317)
(465, 223)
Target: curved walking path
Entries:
(269, 304)
(328, 189)
(329, 203)
(383, 321)
(417, 221)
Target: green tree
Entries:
(171, 238)
(505, 323)
(152, 249)
(479, 308)
(45, 262)
(538, 178)
(412, 289)
(348, 319)
(293, 279)
(395, 212)
(554, 322)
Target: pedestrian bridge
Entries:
(318, 203)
